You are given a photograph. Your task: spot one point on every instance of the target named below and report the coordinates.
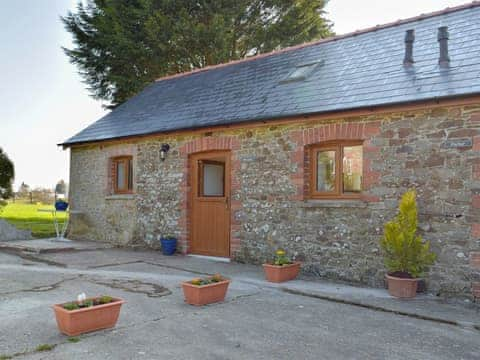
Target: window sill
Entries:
(120, 197)
(338, 203)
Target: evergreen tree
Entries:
(405, 251)
(7, 173)
(120, 46)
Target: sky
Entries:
(43, 100)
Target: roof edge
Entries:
(447, 10)
(457, 100)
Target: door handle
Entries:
(226, 202)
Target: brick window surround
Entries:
(311, 167)
(335, 132)
(125, 186)
(111, 153)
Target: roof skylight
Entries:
(301, 72)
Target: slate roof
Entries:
(357, 70)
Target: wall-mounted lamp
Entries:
(163, 151)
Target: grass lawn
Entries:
(27, 217)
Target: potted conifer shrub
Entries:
(407, 256)
(87, 315)
(202, 291)
(282, 268)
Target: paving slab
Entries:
(258, 320)
(459, 312)
(264, 326)
(50, 245)
(255, 325)
(423, 306)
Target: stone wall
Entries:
(96, 213)
(436, 151)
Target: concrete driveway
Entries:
(257, 320)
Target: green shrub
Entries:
(71, 306)
(87, 303)
(208, 280)
(404, 250)
(44, 347)
(73, 339)
(74, 305)
(105, 299)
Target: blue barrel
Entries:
(169, 245)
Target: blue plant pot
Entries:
(61, 205)
(169, 246)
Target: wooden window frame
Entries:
(338, 147)
(200, 189)
(128, 183)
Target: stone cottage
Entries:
(307, 148)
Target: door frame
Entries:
(193, 190)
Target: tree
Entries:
(121, 46)
(61, 187)
(405, 251)
(23, 190)
(7, 173)
(42, 195)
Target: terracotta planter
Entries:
(205, 294)
(76, 322)
(277, 274)
(402, 287)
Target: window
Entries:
(336, 170)
(212, 178)
(301, 72)
(122, 175)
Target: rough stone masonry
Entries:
(435, 150)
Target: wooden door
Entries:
(210, 212)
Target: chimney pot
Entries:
(443, 36)
(409, 39)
